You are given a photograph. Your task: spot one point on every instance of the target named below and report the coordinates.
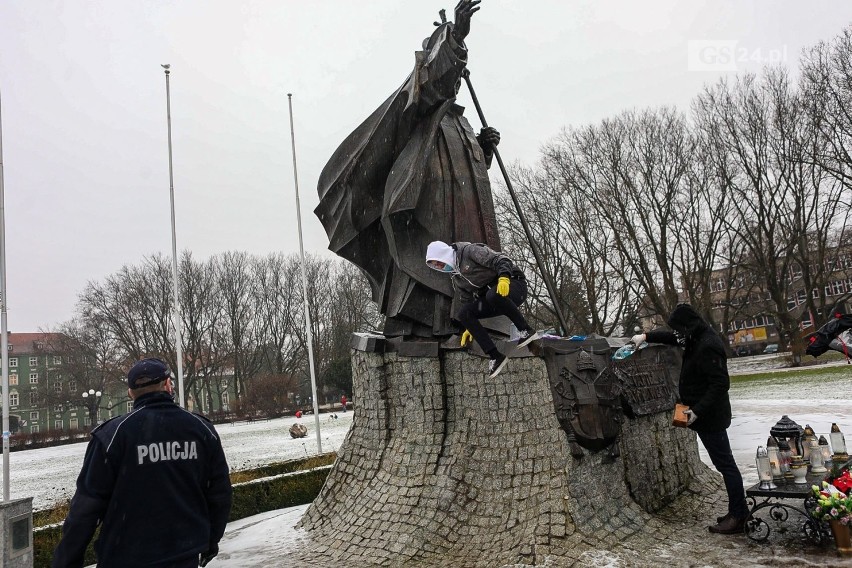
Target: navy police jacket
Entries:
(156, 481)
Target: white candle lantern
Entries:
(764, 469)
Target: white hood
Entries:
(441, 251)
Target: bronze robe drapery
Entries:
(410, 174)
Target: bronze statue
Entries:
(412, 173)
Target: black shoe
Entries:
(730, 525)
(527, 336)
(722, 518)
(496, 365)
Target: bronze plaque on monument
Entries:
(646, 380)
(586, 393)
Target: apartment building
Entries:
(43, 393)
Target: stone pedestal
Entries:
(16, 538)
(444, 467)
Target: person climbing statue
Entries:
(486, 284)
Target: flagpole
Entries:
(178, 337)
(4, 325)
(305, 281)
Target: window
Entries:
(33, 399)
(13, 399)
(33, 415)
(69, 358)
(801, 297)
(13, 361)
(129, 406)
(795, 272)
(225, 405)
(73, 424)
(34, 429)
(57, 408)
(58, 424)
(33, 361)
(72, 386)
(57, 360)
(57, 386)
(13, 379)
(720, 284)
(838, 287)
(33, 378)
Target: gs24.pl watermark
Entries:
(730, 55)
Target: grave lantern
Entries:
(774, 458)
(785, 458)
(807, 439)
(787, 430)
(817, 464)
(764, 469)
(838, 444)
(825, 449)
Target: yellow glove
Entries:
(503, 285)
(465, 338)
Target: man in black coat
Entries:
(155, 480)
(703, 386)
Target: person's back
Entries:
(165, 457)
(157, 482)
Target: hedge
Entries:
(288, 486)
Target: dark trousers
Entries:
(490, 305)
(719, 449)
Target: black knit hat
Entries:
(147, 372)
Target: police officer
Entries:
(155, 480)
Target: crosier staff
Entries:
(551, 290)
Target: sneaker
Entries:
(496, 365)
(527, 336)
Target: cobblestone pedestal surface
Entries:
(444, 467)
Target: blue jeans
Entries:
(719, 449)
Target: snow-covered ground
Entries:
(49, 474)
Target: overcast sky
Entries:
(84, 108)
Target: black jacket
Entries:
(156, 481)
(704, 380)
(478, 268)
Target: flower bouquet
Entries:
(833, 506)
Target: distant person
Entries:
(155, 480)
(703, 386)
(343, 402)
(298, 414)
(486, 284)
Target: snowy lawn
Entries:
(49, 474)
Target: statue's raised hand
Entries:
(461, 25)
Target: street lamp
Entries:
(92, 406)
